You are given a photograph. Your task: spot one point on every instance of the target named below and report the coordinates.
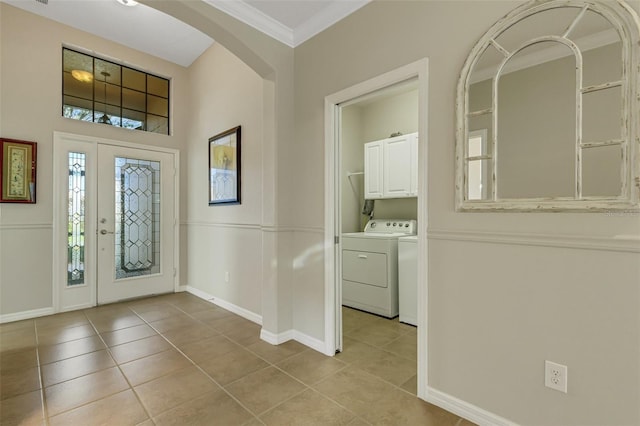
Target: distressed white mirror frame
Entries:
(625, 21)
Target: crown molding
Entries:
(256, 19)
(292, 37)
(333, 13)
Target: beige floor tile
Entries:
(57, 335)
(186, 335)
(192, 306)
(264, 389)
(22, 410)
(174, 322)
(169, 391)
(213, 408)
(375, 334)
(76, 392)
(254, 421)
(356, 352)
(126, 335)
(232, 366)
(149, 368)
(147, 423)
(246, 335)
(308, 408)
(16, 325)
(18, 360)
(17, 340)
(116, 322)
(405, 346)
(230, 324)
(121, 409)
(465, 422)
(215, 313)
(276, 353)
(355, 389)
(213, 347)
(358, 421)
(53, 353)
(16, 382)
(411, 385)
(70, 368)
(400, 408)
(159, 312)
(66, 319)
(311, 366)
(139, 349)
(390, 367)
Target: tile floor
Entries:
(179, 360)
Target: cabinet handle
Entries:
(362, 256)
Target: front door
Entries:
(135, 223)
(114, 221)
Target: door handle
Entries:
(362, 256)
(105, 232)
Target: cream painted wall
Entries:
(352, 161)
(30, 110)
(496, 310)
(224, 93)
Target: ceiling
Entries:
(146, 29)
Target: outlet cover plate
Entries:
(555, 376)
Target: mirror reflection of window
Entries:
(477, 168)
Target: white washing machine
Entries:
(408, 279)
(370, 266)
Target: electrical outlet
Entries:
(226, 277)
(555, 376)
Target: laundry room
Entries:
(379, 203)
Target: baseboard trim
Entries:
(18, 316)
(465, 409)
(285, 336)
(244, 313)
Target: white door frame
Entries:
(332, 224)
(59, 216)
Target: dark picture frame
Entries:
(225, 167)
(18, 177)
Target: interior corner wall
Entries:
(30, 105)
(225, 241)
(507, 291)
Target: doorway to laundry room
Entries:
(378, 179)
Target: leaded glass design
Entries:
(76, 219)
(137, 242)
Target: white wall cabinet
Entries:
(391, 167)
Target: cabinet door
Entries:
(397, 167)
(414, 164)
(373, 170)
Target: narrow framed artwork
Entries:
(224, 167)
(18, 178)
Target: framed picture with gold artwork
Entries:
(224, 168)
(18, 178)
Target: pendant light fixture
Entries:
(105, 118)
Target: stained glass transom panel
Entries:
(76, 219)
(137, 242)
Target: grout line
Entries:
(43, 402)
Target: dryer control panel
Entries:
(391, 226)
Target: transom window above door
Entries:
(102, 91)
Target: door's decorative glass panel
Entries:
(76, 219)
(137, 230)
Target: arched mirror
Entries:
(548, 110)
